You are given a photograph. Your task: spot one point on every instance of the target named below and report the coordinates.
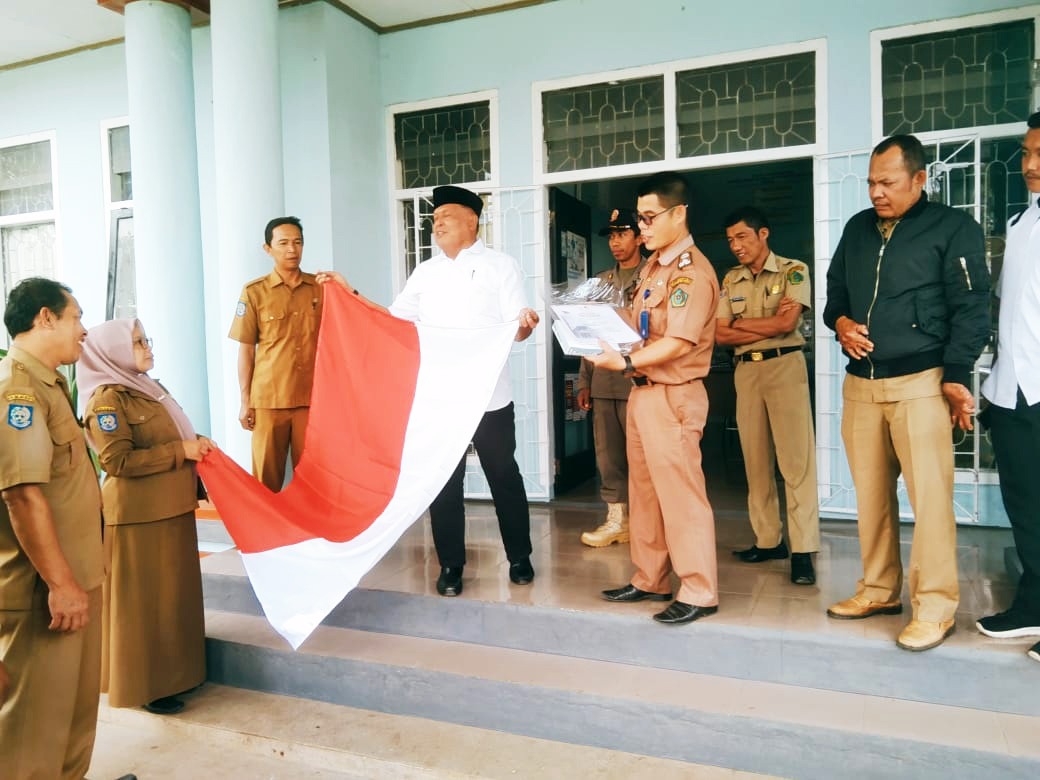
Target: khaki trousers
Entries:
(48, 723)
(670, 520)
(609, 427)
(775, 423)
(275, 431)
(893, 426)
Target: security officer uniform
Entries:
(48, 724)
(609, 390)
(671, 521)
(774, 417)
(283, 323)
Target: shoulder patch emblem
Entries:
(679, 298)
(240, 310)
(685, 259)
(24, 397)
(679, 280)
(104, 408)
(794, 276)
(19, 416)
(108, 422)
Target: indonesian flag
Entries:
(393, 408)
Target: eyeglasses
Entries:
(143, 343)
(648, 219)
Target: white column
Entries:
(167, 229)
(250, 187)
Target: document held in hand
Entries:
(579, 327)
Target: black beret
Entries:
(448, 193)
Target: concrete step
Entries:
(967, 671)
(790, 730)
(240, 733)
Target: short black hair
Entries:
(269, 230)
(913, 152)
(1034, 120)
(749, 215)
(670, 187)
(28, 297)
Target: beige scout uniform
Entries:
(283, 324)
(774, 417)
(47, 725)
(154, 635)
(671, 521)
(609, 390)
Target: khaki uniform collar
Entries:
(674, 252)
(273, 279)
(37, 369)
(771, 265)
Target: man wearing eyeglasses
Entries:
(606, 392)
(671, 522)
(276, 324)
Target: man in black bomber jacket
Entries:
(908, 297)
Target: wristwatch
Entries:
(629, 370)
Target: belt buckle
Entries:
(756, 357)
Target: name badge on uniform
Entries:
(19, 416)
(108, 422)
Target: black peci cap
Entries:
(621, 219)
(448, 193)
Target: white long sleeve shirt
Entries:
(480, 287)
(1018, 341)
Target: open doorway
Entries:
(784, 191)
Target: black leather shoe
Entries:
(521, 572)
(755, 554)
(632, 593)
(167, 705)
(679, 612)
(127, 777)
(450, 581)
(802, 571)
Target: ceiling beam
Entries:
(196, 7)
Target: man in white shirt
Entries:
(470, 285)
(1013, 391)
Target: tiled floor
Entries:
(571, 575)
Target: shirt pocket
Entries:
(69, 447)
(273, 323)
(146, 425)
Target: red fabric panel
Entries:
(364, 382)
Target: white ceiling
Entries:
(38, 28)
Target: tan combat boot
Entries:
(614, 528)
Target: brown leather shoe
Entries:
(922, 635)
(859, 607)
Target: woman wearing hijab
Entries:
(154, 636)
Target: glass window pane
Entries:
(119, 163)
(26, 250)
(122, 292)
(972, 77)
(449, 145)
(25, 179)
(599, 125)
(762, 104)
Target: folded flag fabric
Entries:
(393, 408)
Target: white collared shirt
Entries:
(1018, 342)
(480, 287)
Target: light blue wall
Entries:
(509, 51)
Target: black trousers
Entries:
(495, 442)
(1016, 443)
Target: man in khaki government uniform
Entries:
(672, 525)
(276, 322)
(908, 297)
(760, 311)
(51, 565)
(606, 392)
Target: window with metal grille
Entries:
(445, 145)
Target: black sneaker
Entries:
(1008, 625)
(1034, 652)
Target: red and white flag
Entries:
(393, 408)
